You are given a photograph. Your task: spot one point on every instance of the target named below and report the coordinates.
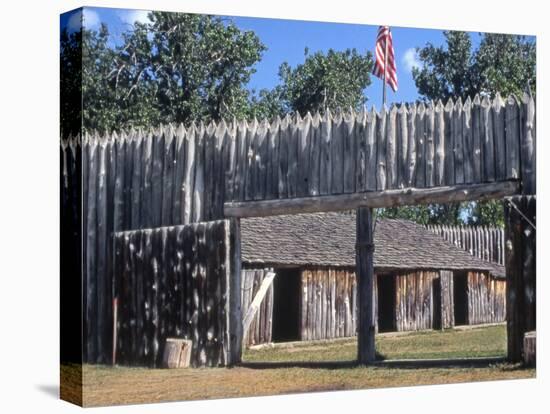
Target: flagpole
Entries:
(385, 68)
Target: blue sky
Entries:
(286, 40)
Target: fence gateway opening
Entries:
(286, 305)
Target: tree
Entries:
(326, 80)
(502, 63)
(177, 68)
(71, 82)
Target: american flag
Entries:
(384, 35)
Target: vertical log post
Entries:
(520, 271)
(365, 271)
(235, 322)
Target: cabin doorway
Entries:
(386, 302)
(286, 305)
(460, 294)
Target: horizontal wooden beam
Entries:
(373, 199)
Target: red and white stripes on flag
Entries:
(384, 35)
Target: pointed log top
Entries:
(512, 100)
(180, 130)
(211, 127)
(477, 100)
(439, 106)
(316, 117)
(402, 108)
(485, 101)
(349, 116)
(498, 101)
(458, 103)
(393, 109)
(327, 115)
(420, 108)
(201, 126)
(449, 105)
(467, 103)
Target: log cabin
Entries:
(421, 280)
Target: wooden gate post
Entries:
(365, 277)
(520, 253)
(235, 319)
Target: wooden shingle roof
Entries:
(328, 239)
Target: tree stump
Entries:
(530, 348)
(177, 353)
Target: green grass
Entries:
(476, 342)
(104, 385)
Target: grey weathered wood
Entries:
(371, 168)
(402, 147)
(188, 176)
(458, 148)
(512, 137)
(487, 141)
(293, 148)
(449, 143)
(381, 149)
(241, 159)
(411, 147)
(260, 164)
(235, 327)
(349, 142)
(198, 183)
(285, 139)
(530, 348)
(391, 148)
(377, 199)
(168, 175)
(468, 141)
(337, 154)
(365, 276)
(420, 146)
(251, 157)
(499, 136)
(528, 146)
(314, 173)
(274, 139)
(430, 145)
(439, 144)
(476, 141)
(325, 180)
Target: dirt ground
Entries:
(327, 366)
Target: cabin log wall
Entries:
(486, 299)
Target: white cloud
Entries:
(91, 19)
(410, 59)
(132, 16)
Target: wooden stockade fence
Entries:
(173, 175)
(174, 282)
(260, 330)
(484, 242)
